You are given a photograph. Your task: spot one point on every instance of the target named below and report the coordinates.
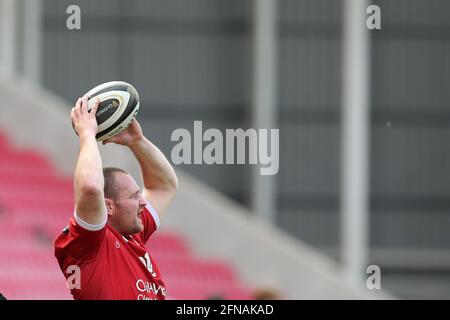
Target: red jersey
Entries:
(100, 263)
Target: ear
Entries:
(109, 206)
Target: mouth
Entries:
(139, 212)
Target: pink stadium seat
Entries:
(34, 258)
(19, 159)
(31, 247)
(167, 242)
(40, 197)
(35, 288)
(44, 224)
(160, 255)
(20, 169)
(35, 183)
(25, 204)
(12, 231)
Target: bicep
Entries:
(90, 206)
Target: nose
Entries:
(142, 201)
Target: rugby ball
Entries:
(119, 104)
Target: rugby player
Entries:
(102, 251)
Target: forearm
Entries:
(157, 172)
(88, 171)
(88, 177)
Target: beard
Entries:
(127, 222)
(131, 228)
(139, 227)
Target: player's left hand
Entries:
(128, 136)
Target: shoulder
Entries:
(81, 241)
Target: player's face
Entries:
(128, 205)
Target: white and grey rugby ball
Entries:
(119, 104)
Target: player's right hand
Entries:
(84, 122)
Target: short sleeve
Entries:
(150, 220)
(81, 240)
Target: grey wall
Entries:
(309, 99)
(410, 155)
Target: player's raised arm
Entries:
(89, 198)
(160, 180)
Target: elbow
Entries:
(90, 190)
(170, 183)
(171, 186)
(88, 195)
(174, 183)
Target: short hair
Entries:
(109, 174)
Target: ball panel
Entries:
(106, 109)
(108, 113)
(119, 126)
(109, 86)
(124, 120)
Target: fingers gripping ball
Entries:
(119, 104)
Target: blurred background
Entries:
(363, 117)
